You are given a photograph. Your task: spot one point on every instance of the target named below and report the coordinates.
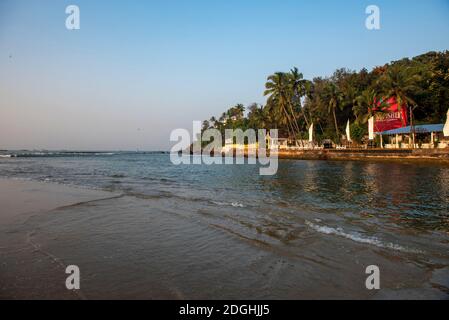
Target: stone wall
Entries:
(441, 155)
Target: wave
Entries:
(167, 194)
(54, 181)
(31, 154)
(5, 156)
(231, 204)
(37, 154)
(360, 238)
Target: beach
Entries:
(224, 154)
(140, 228)
(21, 200)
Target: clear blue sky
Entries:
(138, 69)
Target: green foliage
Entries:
(358, 131)
(293, 103)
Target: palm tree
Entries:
(256, 117)
(213, 122)
(239, 111)
(299, 87)
(236, 112)
(335, 98)
(278, 89)
(205, 126)
(364, 105)
(400, 82)
(223, 118)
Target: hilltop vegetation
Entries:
(293, 103)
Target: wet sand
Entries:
(157, 247)
(20, 199)
(24, 267)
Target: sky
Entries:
(136, 70)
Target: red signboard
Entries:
(391, 117)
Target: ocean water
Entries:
(224, 231)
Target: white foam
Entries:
(233, 204)
(359, 238)
(237, 205)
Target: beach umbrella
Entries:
(446, 126)
(348, 132)
(371, 128)
(311, 133)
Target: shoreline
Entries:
(431, 156)
(22, 198)
(404, 155)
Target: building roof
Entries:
(426, 128)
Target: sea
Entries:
(168, 231)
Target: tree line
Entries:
(421, 84)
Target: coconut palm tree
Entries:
(205, 125)
(256, 117)
(335, 98)
(299, 88)
(239, 111)
(364, 105)
(223, 118)
(236, 112)
(400, 82)
(279, 94)
(213, 121)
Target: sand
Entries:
(19, 198)
(27, 271)
(164, 248)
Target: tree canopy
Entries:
(293, 103)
